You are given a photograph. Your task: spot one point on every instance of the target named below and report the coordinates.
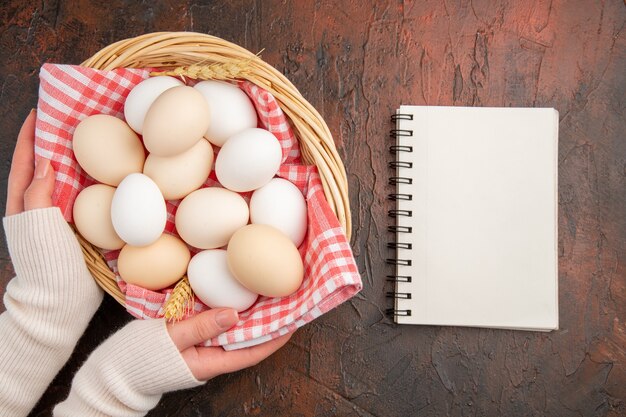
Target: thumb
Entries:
(39, 192)
(202, 327)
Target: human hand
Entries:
(30, 182)
(208, 362)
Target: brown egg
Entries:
(92, 216)
(177, 119)
(155, 266)
(181, 174)
(208, 217)
(107, 149)
(265, 261)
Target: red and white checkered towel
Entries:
(68, 94)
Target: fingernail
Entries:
(32, 111)
(41, 168)
(227, 318)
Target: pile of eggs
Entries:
(243, 249)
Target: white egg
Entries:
(214, 284)
(138, 210)
(208, 217)
(141, 98)
(279, 203)
(231, 110)
(248, 160)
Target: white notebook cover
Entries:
(484, 217)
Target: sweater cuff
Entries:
(157, 364)
(128, 373)
(41, 237)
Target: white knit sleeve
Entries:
(48, 306)
(128, 374)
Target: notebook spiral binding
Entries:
(397, 150)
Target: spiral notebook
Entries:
(475, 222)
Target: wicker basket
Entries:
(175, 49)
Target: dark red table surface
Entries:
(356, 62)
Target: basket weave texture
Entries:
(168, 50)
